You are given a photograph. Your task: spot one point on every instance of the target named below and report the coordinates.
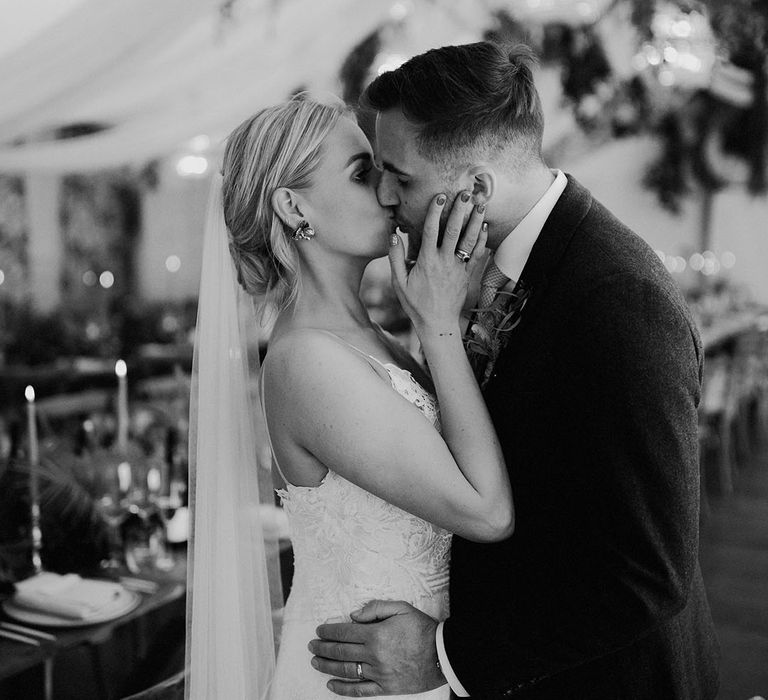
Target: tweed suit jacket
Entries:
(598, 593)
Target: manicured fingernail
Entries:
(480, 208)
(313, 662)
(465, 196)
(394, 239)
(440, 199)
(355, 612)
(485, 227)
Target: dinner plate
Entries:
(124, 603)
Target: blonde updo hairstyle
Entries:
(279, 146)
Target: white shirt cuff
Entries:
(445, 665)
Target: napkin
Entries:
(67, 595)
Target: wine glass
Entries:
(166, 506)
(112, 507)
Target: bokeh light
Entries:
(192, 166)
(106, 279)
(173, 263)
(697, 262)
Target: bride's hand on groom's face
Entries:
(394, 645)
(433, 291)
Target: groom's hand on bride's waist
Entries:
(388, 649)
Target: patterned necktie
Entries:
(493, 280)
(480, 340)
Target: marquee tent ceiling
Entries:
(156, 74)
(160, 73)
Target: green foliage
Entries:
(74, 538)
(740, 28)
(642, 15)
(36, 339)
(33, 338)
(739, 25)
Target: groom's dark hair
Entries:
(463, 98)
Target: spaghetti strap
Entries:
(380, 367)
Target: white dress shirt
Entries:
(510, 257)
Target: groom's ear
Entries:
(286, 206)
(483, 183)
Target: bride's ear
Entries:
(286, 206)
(483, 184)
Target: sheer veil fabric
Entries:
(230, 649)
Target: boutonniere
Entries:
(489, 331)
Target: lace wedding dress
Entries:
(351, 547)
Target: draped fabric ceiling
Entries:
(156, 74)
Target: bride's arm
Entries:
(433, 294)
(330, 403)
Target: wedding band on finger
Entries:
(359, 669)
(462, 255)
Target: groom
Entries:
(598, 594)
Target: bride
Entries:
(375, 478)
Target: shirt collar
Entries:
(513, 251)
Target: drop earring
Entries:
(303, 232)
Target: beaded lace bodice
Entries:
(351, 546)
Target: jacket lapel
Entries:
(546, 254)
(555, 236)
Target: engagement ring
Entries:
(462, 255)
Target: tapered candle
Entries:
(34, 491)
(121, 370)
(154, 480)
(34, 451)
(124, 477)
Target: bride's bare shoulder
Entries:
(302, 353)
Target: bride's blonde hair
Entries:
(279, 146)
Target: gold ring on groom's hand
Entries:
(359, 668)
(462, 255)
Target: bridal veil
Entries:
(230, 650)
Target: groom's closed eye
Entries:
(400, 174)
(398, 177)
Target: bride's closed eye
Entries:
(362, 175)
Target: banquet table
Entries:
(16, 657)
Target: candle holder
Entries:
(37, 539)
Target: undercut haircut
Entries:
(473, 99)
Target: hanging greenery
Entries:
(357, 66)
(703, 135)
(737, 24)
(740, 25)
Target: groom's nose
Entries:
(386, 190)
